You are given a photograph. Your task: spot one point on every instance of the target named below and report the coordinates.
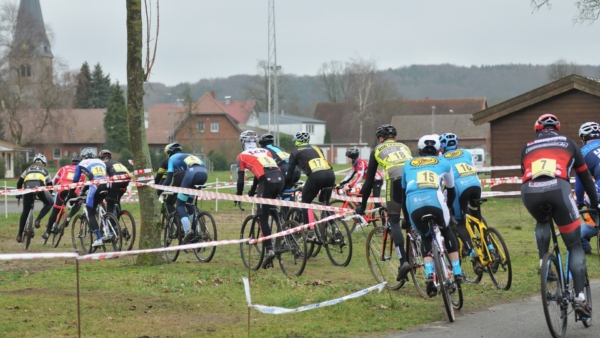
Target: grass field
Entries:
(190, 299)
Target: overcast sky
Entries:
(207, 39)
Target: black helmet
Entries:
(386, 131)
(172, 148)
(105, 154)
(353, 153)
(87, 153)
(266, 139)
(75, 159)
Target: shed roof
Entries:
(572, 82)
(412, 127)
(263, 119)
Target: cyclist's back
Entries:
(161, 174)
(590, 136)
(115, 189)
(281, 157)
(34, 176)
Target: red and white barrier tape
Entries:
(357, 199)
(41, 255)
(502, 167)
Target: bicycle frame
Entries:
(473, 224)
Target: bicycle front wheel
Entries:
(337, 242)
(442, 280)
(291, 250)
(172, 235)
(500, 269)
(382, 259)
(349, 205)
(85, 236)
(128, 231)
(60, 228)
(252, 254)
(207, 232)
(114, 238)
(553, 297)
(415, 260)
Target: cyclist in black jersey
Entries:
(161, 174)
(281, 157)
(311, 161)
(34, 176)
(115, 189)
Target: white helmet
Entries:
(39, 158)
(589, 131)
(248, 139)
(429, 141)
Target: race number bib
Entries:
(118, 167)
(283, 155)
(267, 162)
(317, 164)
(427, 179)
(70, 176)
(397, 156)
(98, 171)
(191, 160)
(465, 170)
(543, 167)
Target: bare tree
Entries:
(258, 88)
(587, 10)
(333, 81)
(561, 68)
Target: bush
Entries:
(2, 167)
(286, 143)
(64, 161)
(219, 161)
(125, 157)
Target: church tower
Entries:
(30, 57)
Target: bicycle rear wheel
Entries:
(60, 228)
(207, 232)
(442, 280)
(337, 241)
(85, 236)
(415, 259)
(295, 214)
(500, 269)
(291, 250)
(172, 235)
(252, 254)
(382, 259)
(28, 230)
(553, 297)
(128, 231)
(114, 236)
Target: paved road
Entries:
(523, 318)
(12, 205)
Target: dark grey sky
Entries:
(207, 39)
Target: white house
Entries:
(8, 152)
(291, 124)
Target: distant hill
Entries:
(497, 83)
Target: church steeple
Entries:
(30, 37)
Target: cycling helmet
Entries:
(266, 139)
(589, 131)
(172, 148)
(386, 131)
(105, 154)
(429, 144)
(448, 141)
(353, 153)
(40, 159)
(75, 159)
(546, 121)
(248, 139)
(302, 137)
(87, 153)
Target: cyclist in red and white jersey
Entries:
(359, 169)
(268, 182)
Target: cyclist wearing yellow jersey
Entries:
(391, 155)
(115, 189)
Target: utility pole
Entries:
(433, 119)
(272, 69)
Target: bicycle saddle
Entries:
(200, 186)
(427, 217)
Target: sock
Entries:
(473, 253)
(185, 222)
(581, 295)
(98, 233)
(490, 246)
(429, 269)
(456, 270)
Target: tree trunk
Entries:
(150, 228)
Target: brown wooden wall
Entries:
(510, 133)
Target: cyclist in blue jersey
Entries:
(195, 174)
(467, 186)
(421, 184)
(589, 133)
(93, 169)
(281, 157)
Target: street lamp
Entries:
(433, 119)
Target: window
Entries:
(200, 127)
(30, 154)
(56, 153)
(310, 128)
(214, 127)
(159, 151)
(25, 71)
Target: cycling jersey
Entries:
(391, 155)
(183, 161)
(257, 160)
(34, 176)
(359, 168)
(278, 155)
(425, 173)
(92, 168)
(115, 168)
(551, 155)
(591, 155)
(162, 171)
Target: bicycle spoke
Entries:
(206, 232)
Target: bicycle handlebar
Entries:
(239, 205)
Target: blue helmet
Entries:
(448, 141)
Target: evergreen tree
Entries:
(115, 121)
(101, 88)
(83, 94)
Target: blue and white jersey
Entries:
(425, 173)
(280, 156)
(591, 155)
(92, 168)
(465, 173)
(183, 161)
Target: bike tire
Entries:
(291, 250)
(295, 214)
(337, 241)
(350, 205)
(416, 262)
(85, 236)
(456, 294)
(588, 297)
(553, 292)
(382, 259)
(252, 254)
(128, 230)
(28, 230)
(172, 235)
(74, 233)
(501, 264)
(207, 232)
(466, 263)
(116, 241)
(442, 279)
(60, 228)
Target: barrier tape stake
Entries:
(5, 202)
(78, 302)
(249, 265)
(217, 200)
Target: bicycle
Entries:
(58, 228)
(290, 249)
(127, 225)
(557, 289)
(28, 231)
(172, 233)
(108, 225)
(347, 204)
(491, 249)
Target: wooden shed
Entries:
(573, 99)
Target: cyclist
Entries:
(115, 189)
(268, 182)
(589, 133)
(466, 184)
(546, 163)
(391, 155)
(421, 183)
(93, 169)
(359, 168)
(281, 157)
(177, 179)
(311, 161)
(195, 174)
(64, 176)
(36, 175)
